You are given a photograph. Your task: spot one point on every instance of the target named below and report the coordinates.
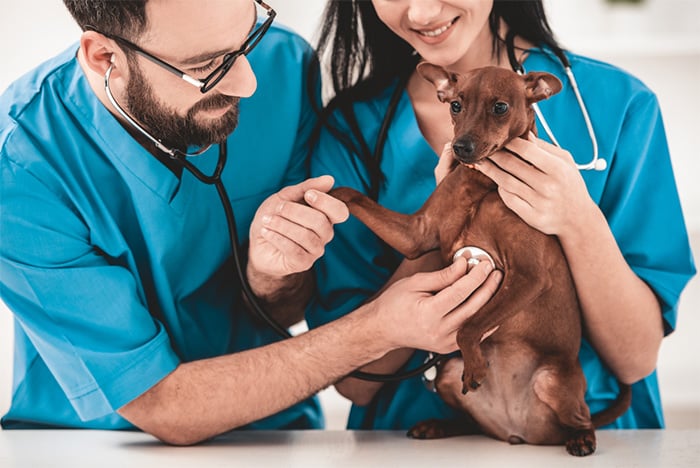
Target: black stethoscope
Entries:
(215, 179)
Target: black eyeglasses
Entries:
(215, 76)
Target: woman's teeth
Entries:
(438, 31)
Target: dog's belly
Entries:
(505, 406)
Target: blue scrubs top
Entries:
(637, 194)
(115, 269)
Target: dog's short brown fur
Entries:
(524, 383)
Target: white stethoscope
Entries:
(596, 163)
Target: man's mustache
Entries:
(218, 101)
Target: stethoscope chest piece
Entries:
(429, 375)
(474, 255)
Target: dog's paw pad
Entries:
(431, 429)
(583, 443)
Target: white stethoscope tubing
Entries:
(596, 163)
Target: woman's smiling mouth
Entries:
(434, 33)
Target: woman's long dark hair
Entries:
(365, 57)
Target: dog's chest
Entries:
(470, 212)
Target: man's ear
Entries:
(99, 52)
(540, 85)
(444, 81)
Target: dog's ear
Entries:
(443, 80)
(541, 85)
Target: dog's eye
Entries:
(456, 107)
(500, 108)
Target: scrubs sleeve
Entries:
(643, 209)
(86, 317)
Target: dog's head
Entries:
(489, 106)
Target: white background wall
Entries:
(660, 43)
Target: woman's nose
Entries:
(423, 12)
(240, 80)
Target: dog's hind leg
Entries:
(563, 391)
(409, 234)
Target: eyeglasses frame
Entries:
(217, 74)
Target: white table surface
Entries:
(78, 448)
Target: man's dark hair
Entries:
(124, 18)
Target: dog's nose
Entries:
(463, 148)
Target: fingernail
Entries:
(498, 275)
(311, 195)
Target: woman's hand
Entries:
(541, 184)
(446, 163)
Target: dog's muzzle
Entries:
(474, 255)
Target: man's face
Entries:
(194, 37)
(171, 127)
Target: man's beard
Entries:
(174, 130)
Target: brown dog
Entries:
(525, 382)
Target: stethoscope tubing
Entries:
(215, 179)
(596, 163)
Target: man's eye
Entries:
(203, 69)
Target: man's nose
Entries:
(240, 80)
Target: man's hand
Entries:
(292, 227)
(288, 234)
(425, 311)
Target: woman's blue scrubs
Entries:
(637, 193)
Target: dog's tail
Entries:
(619, 406)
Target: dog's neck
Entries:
(473, 183)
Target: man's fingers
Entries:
(463, 287)
(438, 280)
(335, 210)
(296, 192)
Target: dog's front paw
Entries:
(345, 194)
(582, 443)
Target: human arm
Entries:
(485, 283)
(288, 234)
(204, 398)
(547, 191)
